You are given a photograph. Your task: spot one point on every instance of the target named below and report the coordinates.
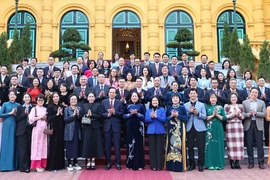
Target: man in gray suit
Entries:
(254, 112)
(165, 79)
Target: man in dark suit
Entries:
(246, 91)
(82, 91)
(183, 79)
(191, 68)
(48, 71)
(93, 81)
(157, 90)
(57, 78)
(214, 89)
(193, 84)
(81, 65)
(211, 72)
(175, 69)
(22, 80)
(137, 68)
(184, 60)
(73, 80)
(20, 90)
(254, 112)
(131, 63)
(112, 112)
(4, 84)
(42, 79)
(165, 60)
(146, 60)
(203, 65)
(31, 71)
(264, 95)
(101, 90)
(140, 90)
(121, 93)
(233, 88)
(155, 67)
(122, 69)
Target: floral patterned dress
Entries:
(214, 146)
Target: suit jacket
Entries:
(25, 81)
(156, 125)
(69, 81)
(163, 96)
(220, 101)
(153, 69)
(190, 73)
(21, 119)
(126, 95)
(96, 91)
(267, 94)
(245, 94)
(260, 114)
(198, 69)
(170, 79)
(20, 90)
(4, 90)
(27, 71)
(128, 65)
(178, 69)
(201, 96)
(82, 99)
(144, 98)
(227, 92)
(196, 120)
(209, 73)
(114, 121)
(83, 69)
(60, 81)
(124, 71)
(46, 70)
(96, 116)
(182, 64)
(133, 71)
(90, 82)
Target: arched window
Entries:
(78, 20)
(228, 16)
(23, 17)
(174, 21)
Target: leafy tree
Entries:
(4, 54)
(71, 41)
(15, 49)
(182, 42)
(226, 40)
(264, 64)
(26, 42)
(234, 49)
(246, 56)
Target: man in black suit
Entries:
(4, 84)
(81, 65)
(193, 84)
(155, 67)
(73, 80)
(137, 68)
(211, 72)
(48, 71)
(191, 68)
(31, 71)
(82, 91)
(165, 60)
(20, 90)
(139, 90)
(246, 91)
(57, 78)
(214, 89)
(184, 60)
(264, 94)
(42, 79)
(183, 79)
(122, 69)
(203, 65)
(131, 63)
(22, 80)
(93, 81)
(233, 88)
(112, 112)
(121, 93)
(101, 90)
(175, 69)
(157, 90)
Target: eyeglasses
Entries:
(40, 100)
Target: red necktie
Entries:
(122, 93)
(111, 105)
(82, 91)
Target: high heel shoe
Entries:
(232, 164)
(236, 165)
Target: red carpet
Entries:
(101, 174)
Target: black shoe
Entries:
(25, 171)
(261, 166)
(232, 164)
(191, 167)
(118, 167)
(200, 167)
(250, 166)
(108, 167)
(236, 165)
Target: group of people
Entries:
(49, 114)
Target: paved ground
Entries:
(100, 174)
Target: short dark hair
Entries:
(25, 59)
(19, 66)
(132, 53)
(214, 79)
(165, 54)
(156, 53)
(192, 89)
(75, 65)
(204, 55)
(174, 56)
(192, 77)
(40, 96)
(146, 53)
(57, 69)
(176, 95)
(34, 58)
(211, 62)
(111, 88)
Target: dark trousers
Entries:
(156, 145)
(108, 143)
(193, 135)
(254, 134)
(266, 132)
(24, 149)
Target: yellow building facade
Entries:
(145, 25)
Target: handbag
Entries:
(86, 120)
(34, 124)
(48, 130)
